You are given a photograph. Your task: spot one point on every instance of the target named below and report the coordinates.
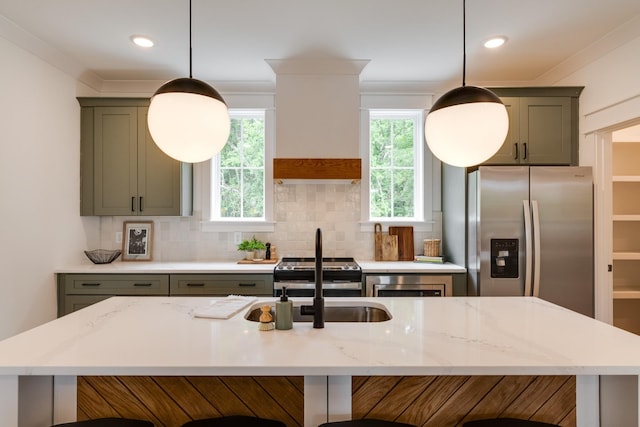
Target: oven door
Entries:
(394, 285)
(329, 289)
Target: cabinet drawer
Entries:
(221, 284)
(116, 284)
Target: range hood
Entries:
(317, 169)
(317, 119)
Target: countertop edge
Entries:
(231, 267)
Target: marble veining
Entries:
(426, 336)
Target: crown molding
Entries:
(613, 40)
(44, 51)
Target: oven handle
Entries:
(311, 285)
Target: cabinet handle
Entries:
(133, 204)
(142, 284)
(195, 284)
(91, 284)
(247, 284)
(515, 151)
(524, 151)
(141, 209)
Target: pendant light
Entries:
(188, 119)
(467, 125)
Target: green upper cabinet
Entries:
(542, 126)
(123, 172)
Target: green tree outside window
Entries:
(392, 166)
(241, 168)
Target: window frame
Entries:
(216, 170)
(204, 174)
(418, 165)
(426, 184)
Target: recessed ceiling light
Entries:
(142, 41)
(494, 42)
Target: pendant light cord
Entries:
(190, 49)
(464, 42)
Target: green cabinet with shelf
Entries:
(543, 126)
(123, 172)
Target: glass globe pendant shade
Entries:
(466, 126)
(188, 120)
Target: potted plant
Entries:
(250, 247)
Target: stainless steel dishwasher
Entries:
(409, 285)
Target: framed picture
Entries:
(137, 239)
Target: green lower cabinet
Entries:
(76, 291)
(221, 284)
(76, 302)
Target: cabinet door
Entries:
(540, 132)
(509, 153)
(76, 302)
(545, 130)
(123, 172)
(115, 160)
(161, 179)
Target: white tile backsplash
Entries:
(299, 209)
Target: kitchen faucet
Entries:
(318, 301)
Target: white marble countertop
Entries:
(213, 267)
(409, 267)
(426, 336)
(195, 267)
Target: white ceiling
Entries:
(405, 40)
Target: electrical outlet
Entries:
(118, 236)
(237, 237)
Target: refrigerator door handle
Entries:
(528, 248)
(536, 248)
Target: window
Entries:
(238, 172)
(396, 165)
(235, 186)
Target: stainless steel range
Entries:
(341, 277)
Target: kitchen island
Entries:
(159, 336)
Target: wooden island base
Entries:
(421, 400)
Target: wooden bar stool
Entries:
(368, 422)
(235, 421)
(506, 422)
(108, 422)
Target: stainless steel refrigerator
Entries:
(530, 232)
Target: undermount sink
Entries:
(334, 311)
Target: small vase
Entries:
(259, 253)
(249, 255)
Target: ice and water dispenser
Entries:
(504, 258)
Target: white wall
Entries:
(611, 82)
(39, 185)
(611, 98)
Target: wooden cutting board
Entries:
(385, 245)
(405, 242)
